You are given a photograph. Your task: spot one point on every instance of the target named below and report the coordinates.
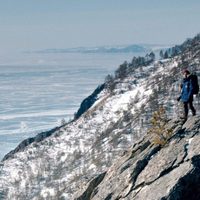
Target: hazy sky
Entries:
(41, 24)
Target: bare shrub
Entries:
(159, 132)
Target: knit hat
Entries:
(186, 71)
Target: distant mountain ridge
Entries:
(133, 48)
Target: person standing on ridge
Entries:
(187, 92)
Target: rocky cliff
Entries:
(149, 171)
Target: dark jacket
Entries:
(187, 90)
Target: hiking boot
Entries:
(194, 113)
(183, 119)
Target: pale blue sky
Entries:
(41, 24)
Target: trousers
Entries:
(188, 105)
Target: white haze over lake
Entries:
(37, 91)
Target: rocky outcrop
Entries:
(149, 171)
(94, 183)
(89, 101)
(28, 141)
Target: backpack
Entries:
(195, 83)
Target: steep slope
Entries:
(58, 166)
(148, 171)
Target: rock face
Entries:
(151, 172)
(89, 101)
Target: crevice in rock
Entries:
(163, 173)
(178, 135)
(140, 165)
(109, 197)
(90, 191)
(134, 153)
(195, 133)
(186, 153)
(183, 131)
(141, 148)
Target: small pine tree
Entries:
(160, 134)
(134, 61)
(110, 82)
(152, 56)
(161, 54)
(121, 72)
(166, 55)
(63, 122)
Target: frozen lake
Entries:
(37, 91)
